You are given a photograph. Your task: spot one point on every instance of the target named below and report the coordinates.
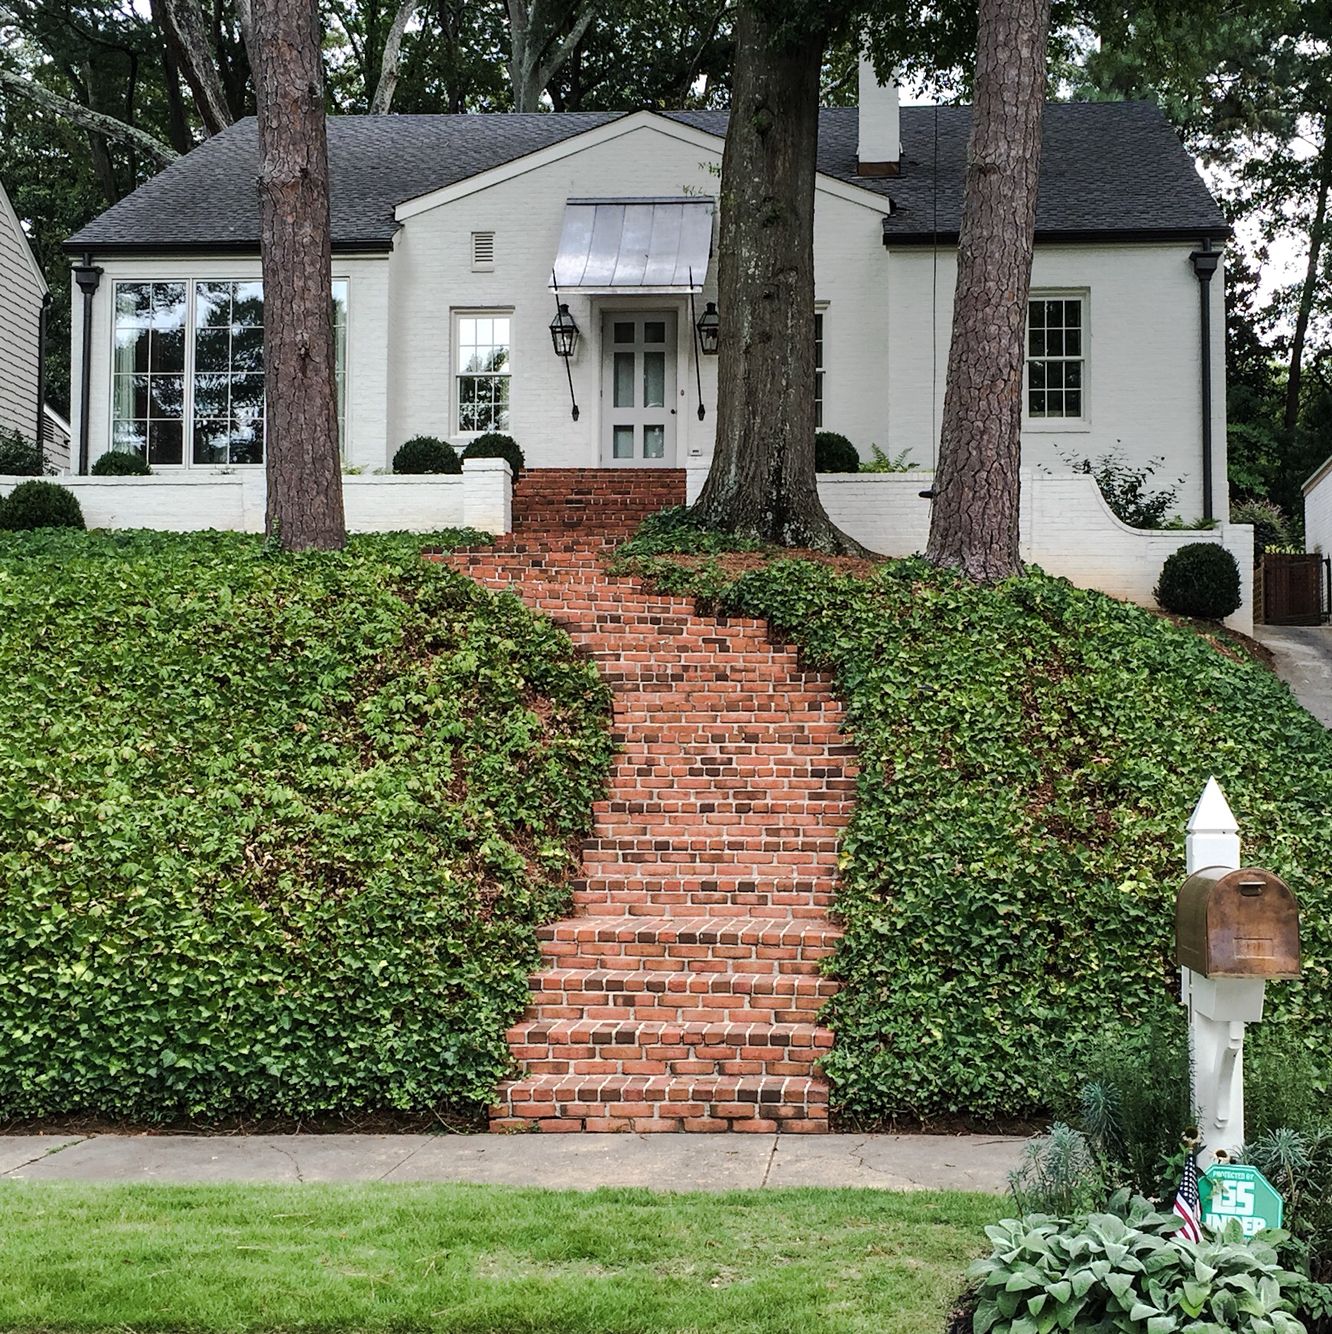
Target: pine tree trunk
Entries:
(303, 467)
(1291, 416)
(974, 524)
(762, 479)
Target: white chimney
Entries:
(879, 152)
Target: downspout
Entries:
(88, 276)
(42, 317)
(1204, 265)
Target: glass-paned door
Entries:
(638, 389)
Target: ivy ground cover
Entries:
(1030, 754)
(275, 831)
(480, 1260)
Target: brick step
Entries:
(656, 900)
(648, 1103)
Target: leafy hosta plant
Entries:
(1126, 1272)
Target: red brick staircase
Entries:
(685, 993)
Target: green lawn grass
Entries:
(481, 1258)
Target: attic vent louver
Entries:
(483, 250)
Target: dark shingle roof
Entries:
(1107, 169)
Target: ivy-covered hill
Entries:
(1030, 754)
(275, 832)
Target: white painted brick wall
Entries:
(1066, 529)
(1318, 512)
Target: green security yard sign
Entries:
(1234, 1190)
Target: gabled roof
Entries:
(12, 220)
(1109, 169)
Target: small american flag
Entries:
(1188, 1203)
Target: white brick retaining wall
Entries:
(1067, 529)
(182, 502)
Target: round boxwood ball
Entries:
(1201, 579)
(423, 453)
(496, 445)
(40, 505)
(121, 463)
(835, 453)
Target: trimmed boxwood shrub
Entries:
(424, 453)
(496, 445)
(1029, 754)
(40, 505)
(19, 456)
(276, 833)
(835, 453)
(121, 463)
(1200, 579)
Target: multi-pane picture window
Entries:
(1056, 357)
(818, 368)
(148, 371)
(482, 361)
(188, 376)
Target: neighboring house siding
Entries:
(1143, 361)
(55, 442)
(1318, 512)
(367, 342)
(21, 293)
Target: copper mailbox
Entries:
(1242, 923)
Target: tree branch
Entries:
(97, 122)
(582, 22)
(388, 65)
(187, 35)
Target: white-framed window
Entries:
(1056, 370)
(819, 316)
(188, 370)
(482, 364)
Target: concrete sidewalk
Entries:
(665, 1162)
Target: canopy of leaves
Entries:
(275, 832)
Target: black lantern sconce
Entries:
(564, 339)
(709, 330)
(564, 332)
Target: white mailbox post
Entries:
(1237, 928)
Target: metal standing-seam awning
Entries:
(650, 246)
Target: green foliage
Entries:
(679, 531)
(1273, 528)
(121, 463)
(40, 505)
(1029, 755)
(1126, 488)
(835, 453)
(275, 831)
(1058, 1174)
(881, 462)
(1299, 1164)
(1127, 1272)
(496, 445)
(1200, 579)
(19, 456)
(424, 453)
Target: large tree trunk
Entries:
(762, 479)
(382, 101)
(188, 41)
(974, 524)
(1309, 286)
(303, 468)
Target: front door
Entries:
(638, 389)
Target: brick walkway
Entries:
(685, 993)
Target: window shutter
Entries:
(483, 250)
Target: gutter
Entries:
(1205, 262)
(42, 316)
(1052, 236)
(88, 277)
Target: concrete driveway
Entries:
(1304, 662)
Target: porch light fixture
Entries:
(564, 332)
(709, 330)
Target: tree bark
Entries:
(187, 39)
(1291, 416)
(391, 59)
(762, 479)
(974, 524)
(303, 467)
(96, 122)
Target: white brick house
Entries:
(448, 229)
